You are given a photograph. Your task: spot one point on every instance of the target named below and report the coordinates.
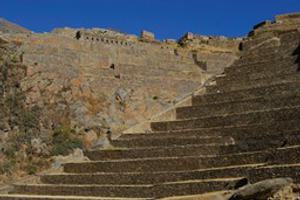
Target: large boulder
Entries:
(261, 190)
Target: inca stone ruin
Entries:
(100, 114)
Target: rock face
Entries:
(148, 36)
(97, 78)
(81, 86)
(12, 71)
(20, 128)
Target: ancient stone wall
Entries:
(220, 43)
(210, 52)
(112, 80)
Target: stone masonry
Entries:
(244, 129)
(102, 75)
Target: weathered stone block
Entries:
(261, 190)
(146, 35)
(189, 36)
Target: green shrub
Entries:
(64, 142)
(7, 167)
(30, 120)
(4, 71)
(31, 169)
(14, 58)
(10, 150)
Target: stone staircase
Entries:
(245, 129)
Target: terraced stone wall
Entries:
(268, 31)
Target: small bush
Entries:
(7, 167)
(30, 120)
(4, 71)
(14, 58)
(64, 142)
(31, 169)
(10, 150)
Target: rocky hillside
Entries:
(19, 125)
(96, 79)
(28, 136)
(70, 88)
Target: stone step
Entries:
(270, 46)
(278, 27)
(246, 77)
(258, 77)
(233, 131)
(127, 191)
(270, 50)
(272, 56)
(47, 197)
(274, 171)
(243, 143)
(256, 104)
(168, 141)
(245, 85)
(286, 155)
(267, 47)
(238, 85)
(282, 65)
(133, 191)
(286, 113)
(267, 44)
(192, 187)
(257, 71)
(271, 90)
(259, 44)
(258, 38)
(147, 177)
(254, 172)
(163, 164)
(252, 42)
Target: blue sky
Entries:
(166, 18)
